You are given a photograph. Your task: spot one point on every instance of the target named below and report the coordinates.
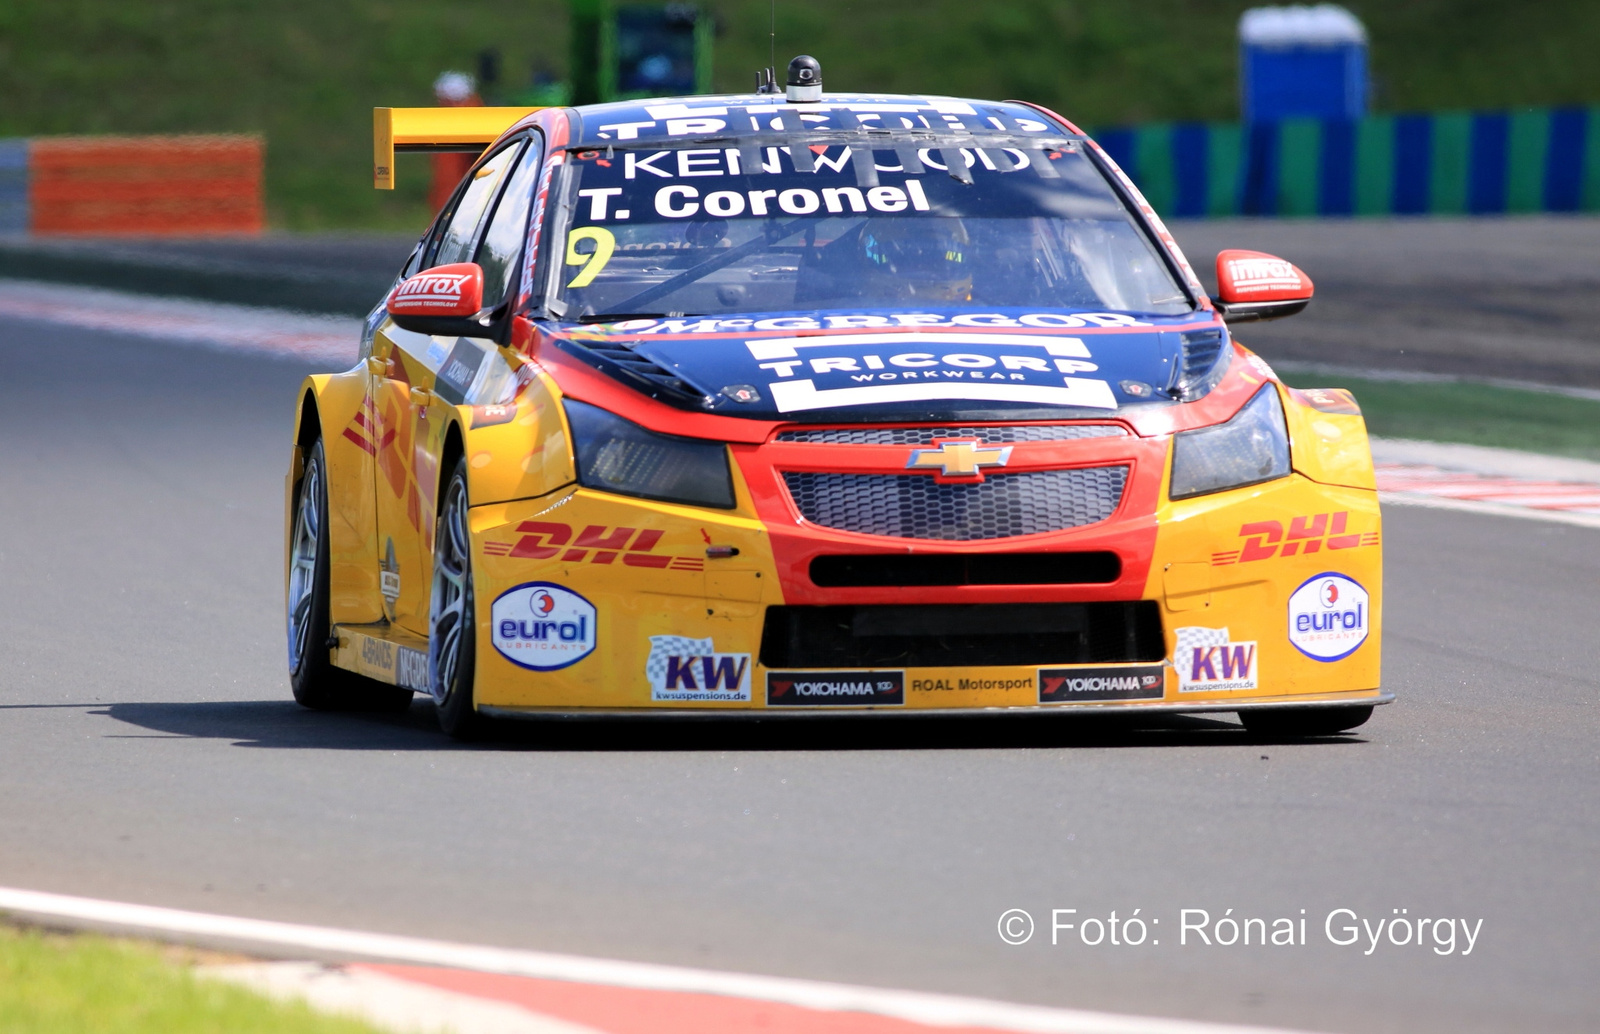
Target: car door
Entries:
(418, 377)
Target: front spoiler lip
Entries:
(749, 714)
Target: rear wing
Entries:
(434, 129)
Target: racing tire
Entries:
(316, 681)
(452, 620)
(1304, 721)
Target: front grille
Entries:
(926, 435)
(915, 506)
(961, 635)
(901, 569)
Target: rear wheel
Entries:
(316, 682)
(452, 624)
(1304, 721)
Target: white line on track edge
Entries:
(1582, 520)
(934, 1010)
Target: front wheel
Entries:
(1304, 721)
(452, 625)
(316, 682)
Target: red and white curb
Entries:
(1477, 479)
(331, 340)
(413, 984)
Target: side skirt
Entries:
(384, 653)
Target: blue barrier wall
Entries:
(1444, 163)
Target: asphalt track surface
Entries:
(150, 752)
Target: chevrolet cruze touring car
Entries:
(872, 403)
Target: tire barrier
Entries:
(1443, 163)
(132, 185)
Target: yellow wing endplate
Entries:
(434, 129)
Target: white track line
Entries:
(1483, 459)
(1434, 502)
(933, 1010)
(387, 1002)
(331, 340)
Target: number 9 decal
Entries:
(605, 242)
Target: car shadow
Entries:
(282, 724)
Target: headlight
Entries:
(1250, 448)
(618, 456)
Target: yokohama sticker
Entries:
(543, 626)
(1068, 685)
(1329, 616)
(1208, 659)
(680, 668)
(835, 688)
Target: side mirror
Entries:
(1252, 285)
(442, 300)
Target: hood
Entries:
(922, 366)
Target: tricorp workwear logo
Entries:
(1329, 617)
(543, 626)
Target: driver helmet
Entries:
(924, 258)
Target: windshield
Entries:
(670, 231)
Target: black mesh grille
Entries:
(954, 635)
(915, 506)
(926, 435)
(923, 569)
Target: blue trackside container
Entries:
(1302, 62)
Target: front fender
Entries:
(521, 450)
(337, 408)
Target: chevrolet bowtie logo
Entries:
(959, 459)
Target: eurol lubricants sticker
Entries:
(1329, 617)
(543, 626)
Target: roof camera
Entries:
(805, 80)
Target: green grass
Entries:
(307, 74)
(53, 984)
(1473, 413)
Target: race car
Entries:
(799, 403)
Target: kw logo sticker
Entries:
(1207, 659)
(680, 668)
(1264, 539)
(595, 544)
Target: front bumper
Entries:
(666, 608)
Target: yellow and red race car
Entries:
(795, 404)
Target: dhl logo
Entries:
(361, 431)
(1264, 539)
(595, 544)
